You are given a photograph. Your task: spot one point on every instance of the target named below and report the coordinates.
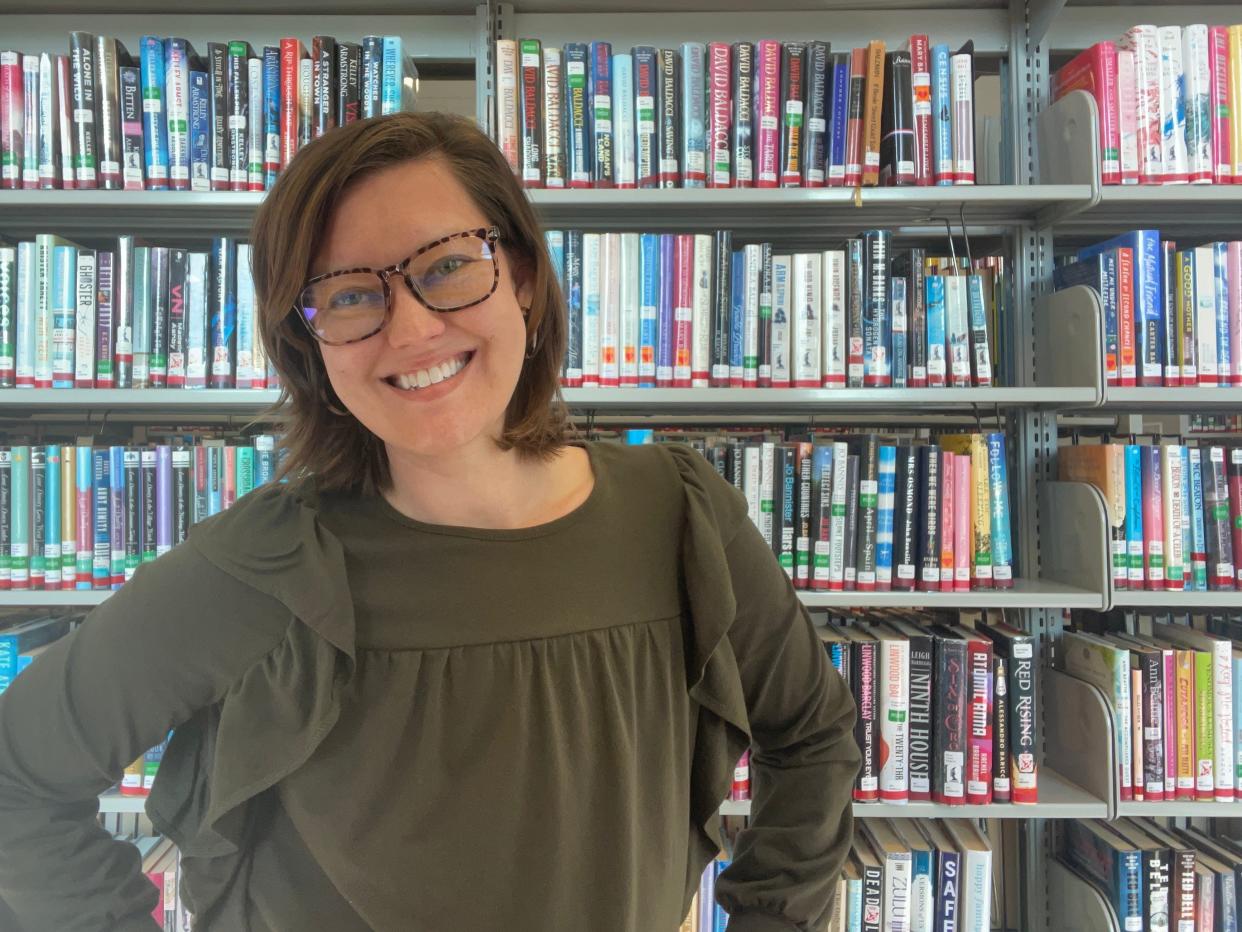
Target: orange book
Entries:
(873, 106)
(1185, 709)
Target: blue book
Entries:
(200, 131)
(579, 159)
(1198, 580)
(223, 311)
(1113, 864)
(720, 917)
(271, 115)
(393, 74)
(573, 305)
(555, 240)
(64, 308)
(838, 117)
(116, 508)
(84, 472)
(648, 308)
(51, 517)
(600, 112)
(178, 53)
(998, 486)
(215, 480)
(101, 559)
(885, 503)
(737, 318)
(900, 319)
(664, 334)
(1148, 290)
(372, 75)
(26, 636)
(948, 888)
(937, 360)
(1134, 515)
(1224, 355)
(1098, 271)
(942, 117)
(154, 115)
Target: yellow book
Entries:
(691, 922)
(1235, 100)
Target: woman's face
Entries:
(468, 360)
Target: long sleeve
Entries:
(167, 644)
(803, 754)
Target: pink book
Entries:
(1095, 71)
(1144, 44)
(948, 512)
(1218, 66)
(1169, 661)
(979, 721)
(767, 111)
(12, 120)
(1233, 265)
(1127, 116)
(683, 309)
(961, 523)
(1153, 518)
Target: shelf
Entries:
(1174, 400)
(111, 802)
(1074, 903)
(1026, 593)
(53, 597)
(1182, 810)
(136, 400)
(1059, 798)
(1145, 598)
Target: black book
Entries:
(348, 82)
(928, 489)
(802, 544)
(1182, 856)
(238, 109)
(922, 678)
(1002, 772)
(182, 486)
(132, 463)
(82, 74)
(1172, 336)
(868, 508)
(148, 515)
(784, 532)
(910, 265)
(877, 309)
(217, 75)
(743, 114)
(646, 95)
(851, 521)
(323, 84)
(133, 173)
(158, 296)
(722, 307)
(668, 119)
(897, 122)
(865, 686)
(178, 267)
(38, 514)
(110, 55)
(765, 315)
(905, 519)
(737, 464)
(1157, 873)
(573, 298)
(949, 709)
(793, 94)
(372, 75)
(855, 297)
(815, 126)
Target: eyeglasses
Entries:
(453, 273)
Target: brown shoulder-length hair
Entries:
(337, 449)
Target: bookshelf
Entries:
(1060, 536)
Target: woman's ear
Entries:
(523, 284)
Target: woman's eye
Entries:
(347, 300)
(447, 266)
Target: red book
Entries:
(1095, 71)
(12, 120)
(719, 115)
(291, 54)
(948, 491)
(683, 309)
(741, 775)
(920, 69)
(530, 74)
(853, 126)
(1127, 369)
(229, 490)
(978, 720)
(767, 112)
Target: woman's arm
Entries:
(168, 643)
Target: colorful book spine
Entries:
(767, 112)
(530, 116)
(815, 143)
(646, 93)
(743, 90)
(591, 286)
(839, 111)
(602, 148)
(683, 309)
(1172, 105)
(630, 313)
(154, 120)
(943, 166)
(648, 308)
(1143, 44)
(894, 682)
(793, 115)
(271, 114)
(178, 54)
(665, 312)
(1196, 101)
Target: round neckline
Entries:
(589, 504)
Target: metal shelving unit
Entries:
(1182, 600)
(1173, 400)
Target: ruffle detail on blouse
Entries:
(713, 511)
(276, 713)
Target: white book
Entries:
(246, 328)
(1127, 115)
(177, 110)
(254, 124)
(1196, 90)
(701, 317)
(808, 315)
(591, 287)
(306, 112)
(782, 330)
(832, 339)
(752, 257)
(629, 308)
(1172, 106)
(64, 109)
(43, 311)
(894, 688)
(1221, 650)
(1206, 359)
(553, 149)
(84, 348)
(1144, 44)
(1107, 667)
(30, 120)
(8, 286)
(49, 123)
(897, 864)
(196, 321)
(957, 329)
(836, 531)
(507, 101)
(624, 165)
(752, 475)
(1171, 479)
(27, 289)
(767, 488)
(962, 97)
(975, 888)
(610, 310)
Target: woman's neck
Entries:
(482, 486)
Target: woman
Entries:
(468, 676)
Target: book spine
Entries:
(101, 513)
(981, 357)
(64, 119)
(83, 353)
(238, 108)
(107, 122)
(158, 297)
(743, 92)
(692, 106)
(371, 90)
(865, 681)
(820, 532)
(38, 517)
(1205, 765)
(62, 524)
(980, 517)
(217, 75)
(833, 314)
(1171, 473)
(196, 318)
(8, 318)
(1153, 518)
(962, 537)
(854, 141)
(63, 310)
(806, 298)
(815, 141)
(785, 493)
(1143, 44)
(1172, 105)
(937, 371)
(1153, 699)
(272, 110)
(247, 332)
(753, 266)
(1127, 116)
(877, 364)
(721, 308)
(905, 523)
(177, 96)
(254, 124)
(609, 310)
(551, 91)
(630, 322)
(572, 367)
(873, 105)
(793, 117)
(948, 504)
(949, 737)
(868, 504)
(921, 98)
(82, 66)
(79, 527)
(979, 763)
(177, 268)
(929, 485)
(1220, 555)
(1196, 101)
(131, 504)
(131, 129)
(646, 94)
(764, 332)
(1002, 777)
(291, 52)
(898, 314)
(850, 554)
(838, 508)
(153, 71)
(1198, 531)
(957, 326)
(200, 131)
(49, 164)
(897, 141)
(886, 477)
(147, 503)
(223, 310)
(767, 113)
(1002, 542)
(602, 147)
(839, 115)
(1222, 719)
(1235, 101)
(922, 662)
(944, 168)
(668, 129)
(648, 308)
(530, 116)
(393, 69)
(590, 309)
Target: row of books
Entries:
(1169, 101)
(1157, 877)
(86, 517)
(1174, 511)
(871, 513)
(135, 316)
(1170, 687)
(663, 310)
(760, 114)
(1171, 317)
(947, 706)
(168, 118)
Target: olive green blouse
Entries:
(385, 724)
